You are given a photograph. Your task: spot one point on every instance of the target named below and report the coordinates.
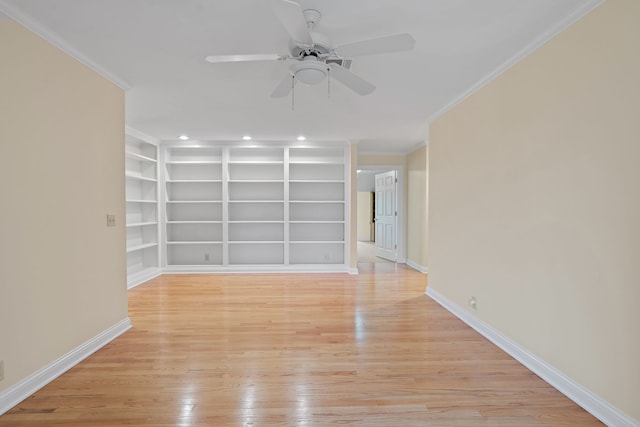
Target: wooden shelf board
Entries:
(140, 201)
(141, 178)
(141, 247)
(194, 242)
(140, 157)
(185, 181)
(142, 224)
(193, 201)
(194, 222)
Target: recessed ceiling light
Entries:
(183, 137)
(246, 138)
(301, 138)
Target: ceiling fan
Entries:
(315, 58)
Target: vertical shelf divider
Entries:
(286, 206)
(225, 206)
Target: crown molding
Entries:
(53, 38)
(552, 32)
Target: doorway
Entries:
(379, 230)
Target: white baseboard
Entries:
(259, 269)
(142, 276)
(25, 388)
(417, 266)
(592, 403)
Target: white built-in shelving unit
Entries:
(254, 208)
(141, 175)
(193, 206)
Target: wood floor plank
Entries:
(296, 350)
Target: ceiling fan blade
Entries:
(350, 80)
(395, 43)
(290, 15)
(243, 58)
(284, 87)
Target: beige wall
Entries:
(417, 200)
(535, 203)
(61, 170)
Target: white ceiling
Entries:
(156, 49)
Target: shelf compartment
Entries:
(250, 191)
(140, 190)
(140, 157)
(256, 172)
(256, 253)
(194, 253)
(316, 172)
(317, 155)
(316, 211)
(256, 231)
(272, 211)
(192, 232)
(316, 232)
(140, 150)
(205, 211)
(256, 155)
(194, 171)
(194, 155)
(141, 260)
(316, 253)
(141, 213)
(139, 236)
(143, 169)
(316, 191)
(194, 191)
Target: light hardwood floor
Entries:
(296, 350)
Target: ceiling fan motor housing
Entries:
(321, 46)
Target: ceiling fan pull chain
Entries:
(293, 93)
(329, 82)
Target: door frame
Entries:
(400, 190)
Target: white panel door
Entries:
(386, 215)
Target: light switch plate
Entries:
(111, 220)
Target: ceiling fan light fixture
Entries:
(246, 138)
(183, 137)
(309, 71)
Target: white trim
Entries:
(382, 153)
(25, 388)
(417, 266)
(592, 403)
(417, 147)
(53, 38)
(521, 54)
(142, 276)
(256, 268)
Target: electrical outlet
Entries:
(207, 257)
(1, 370)
(111, 220)
(473, 302)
